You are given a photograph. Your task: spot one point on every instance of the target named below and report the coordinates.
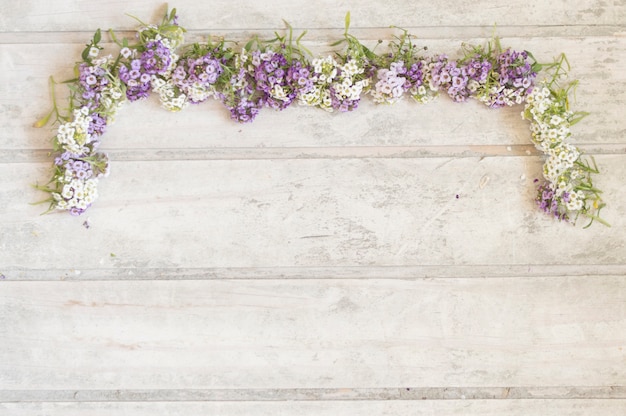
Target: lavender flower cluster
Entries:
(515, 78)
(488, 74)
(196, 77)
(404, 77)
(240, 95)
(137, 72)
(269, 70)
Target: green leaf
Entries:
(112, 34)
(299, 38)
(347, 21)
(97, 37)
(579, 115)
(595, 218)
(44, 120)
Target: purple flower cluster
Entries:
(97, 125)
(414, 75)
(93, 81)
(478, 70)
(83, 167)
(299, 77)
(460, 80)
(515, 76)
(278, 80)
(269, 72)
(241, 98)
(196, 77)
(342, 104)
(268, 79)
(74, 166)
(77, 176)
(515, 70)
(550, 203)
(155, 59)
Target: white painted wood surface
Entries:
(313, 263)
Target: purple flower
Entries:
(98, 124)
(549, 203)
(78, 211)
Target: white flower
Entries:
(556, 120)
(67, 192)
(278, 93)
(126, 52)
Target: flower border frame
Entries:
(278, 72)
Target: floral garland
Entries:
(277, 73)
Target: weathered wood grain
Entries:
(348, 408)
(63, 15)
(465, 408)
(282, 334)
(316, 394)
(285, 213)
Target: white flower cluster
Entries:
(549, 119)
(561, 158)
(346, 88)
(198, 92)
(170, 96)
(325, 71)
(73, 136)
(77, 193)
(550, 127)
(498, 94)
(329, 77)
(390, 86)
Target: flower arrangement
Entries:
(279, 72)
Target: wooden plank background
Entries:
(313, 263)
